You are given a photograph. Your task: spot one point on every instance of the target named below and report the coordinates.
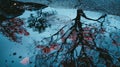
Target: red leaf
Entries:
(26, 33)
(46, 50)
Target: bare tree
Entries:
(78, 35)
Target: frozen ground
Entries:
(27, 49)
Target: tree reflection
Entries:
(83, 35)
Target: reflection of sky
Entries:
(26, 49)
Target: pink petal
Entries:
(25, 61)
